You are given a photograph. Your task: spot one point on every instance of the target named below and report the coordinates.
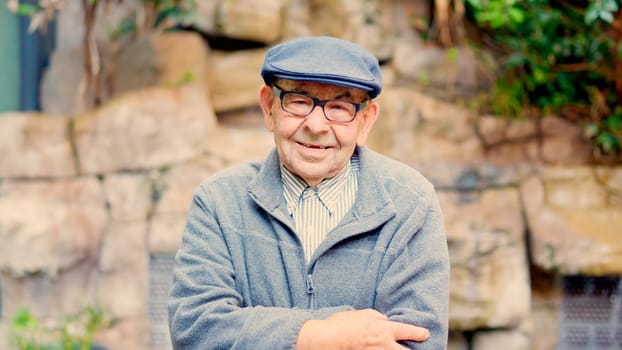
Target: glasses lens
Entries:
(297, 104)
(340, 111)
(302, 105)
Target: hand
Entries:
(357, 329)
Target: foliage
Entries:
(75, 333)
(557, 56)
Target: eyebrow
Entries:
(342, 95)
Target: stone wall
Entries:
(86, 198)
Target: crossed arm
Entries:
(207, 311)
(357, 329)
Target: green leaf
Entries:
(26, 9)
(606, 16)
(590, 130)
(610, 5)
(475, 3)
(515, 59)
(452, 54)
(608, 141)
(23, 320)
(516, 15)
(591, 15)
(614, 122)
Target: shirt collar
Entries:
(328, 190)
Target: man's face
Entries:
(313, 147)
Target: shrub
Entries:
(75, 332)
(557, 57)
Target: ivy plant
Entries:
(75, 332)
(557, 57)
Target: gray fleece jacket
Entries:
(240, 276)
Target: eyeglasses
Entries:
(338, 111)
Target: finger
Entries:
(403, 331)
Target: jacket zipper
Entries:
(310, 291)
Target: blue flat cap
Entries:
(323, 59)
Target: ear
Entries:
(266, 100)
(368, 118)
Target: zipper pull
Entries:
(310, 288)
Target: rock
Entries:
(469, 176)
(123, 280)
(34, 145)
(296, 19)
(127, 333)
(168, 59)
(413, 62)
(247, 145)
(545, 312)
(47, 227)
(243, 19)
(151, 128)
(50, 299)
(234, 79)
(573, 187)
(176, 188)
(564, 142)
(457, 341)
(360, 21)
(511, 339)
(415, 128)
(129, 197)
(162, 59)
(489, 276)
(573, 229)
(492, 129)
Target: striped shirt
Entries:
(317, 210)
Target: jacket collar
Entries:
(372, 207)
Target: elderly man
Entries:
(325, 244)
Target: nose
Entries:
(316, 122)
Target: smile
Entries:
(313, 146)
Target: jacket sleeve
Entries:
(205, 309)
(415, 287)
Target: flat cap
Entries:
(323, 59)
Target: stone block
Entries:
(564, 143)
(46, 227)
(371, 24)
(243, 145)
(176, 188)
(511, 339)
(122, 284)
(489, 277)
(50, 299)
(255, 20)
(413, 127)
(146, 129)
(573, 187)
(457, 341)
(571, 239)
(471, 176)
(129, 196)
(165, 232)
(155, 59)
(234, 79)
(35, 146)
(162, 59)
